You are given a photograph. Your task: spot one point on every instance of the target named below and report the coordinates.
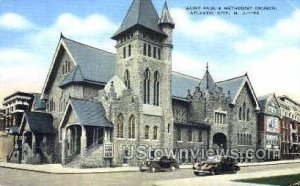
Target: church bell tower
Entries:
(144, 62)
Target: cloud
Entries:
(20, 71)
(286, 32)
(273, 58)
(207, 28)
(93, 30)
(277, 72)
(14, 21)
(15, 56)
(93, 24)
(187, 64)
(249, 46)
(288, 27)
(25, 68)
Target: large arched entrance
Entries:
(220, 141)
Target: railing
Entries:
(16, 147)
(74, 156)
(96, 143)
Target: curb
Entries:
(128, 170)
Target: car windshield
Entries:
(212, 159)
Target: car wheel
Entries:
(142, 170)
(214, 172)
(196, 173)
(235, 169)
(152, 169)
(173, 168)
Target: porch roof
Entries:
(38, 123)
(89, 113)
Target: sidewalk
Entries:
(59, 169)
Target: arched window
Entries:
(156, 88)
(127, 79)
(248, 114)
(124, 52)
(147, 128)
(145, 49)
(200, 136)
(129, 50)
(131, 127)
(147, 86)
(240, 113)
(120, 123)
(69, 66)
(244, 111)
(190, 135)
(149, 50)
(155, 133)
(159, 53)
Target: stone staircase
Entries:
(92, 158)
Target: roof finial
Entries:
(61, 35)
(206, 66)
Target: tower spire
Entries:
(141, 13)
(165, 17)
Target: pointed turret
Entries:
(165, 17)
(140, 14)
(207, 83)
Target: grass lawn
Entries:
(276, 180)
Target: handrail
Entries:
(95, 143)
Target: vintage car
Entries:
(164, 164)
(216, 166)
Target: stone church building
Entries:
(102, 104)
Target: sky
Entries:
(265, 44)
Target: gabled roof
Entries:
(89, 113)
(74, 76)
(181, 83)
(235, 85)
(38, 123)
(165, 17)
(262, 100)
(91, 61)
(207, 83)
(141, 13)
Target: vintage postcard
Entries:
(149, 92)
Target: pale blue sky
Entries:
(267, 46)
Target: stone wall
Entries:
(6, 145)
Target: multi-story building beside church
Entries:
(99, 105)
(290, 127)
(269, 130)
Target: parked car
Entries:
(164, 164)
(216, 166)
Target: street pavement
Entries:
(181, 177)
